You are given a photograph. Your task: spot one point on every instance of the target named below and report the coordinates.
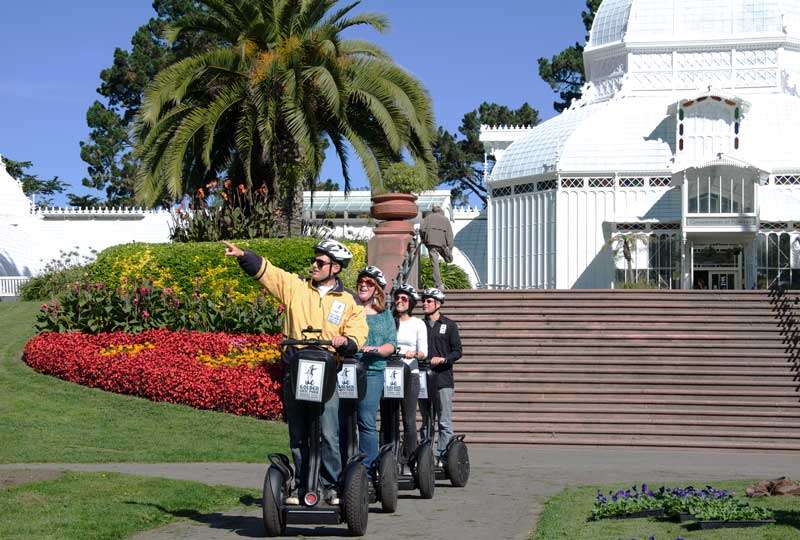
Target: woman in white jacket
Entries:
(412, 345)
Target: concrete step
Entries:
(633, 441)
(583, 411)
(467, 371)
(502, 340)
(641, 399)
(465, 421)
(491, 361)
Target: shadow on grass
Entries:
(788, 517)
(245, 526)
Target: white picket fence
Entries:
(9, 285)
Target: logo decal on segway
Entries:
(393, 383)
(310, 374)
(346, 383)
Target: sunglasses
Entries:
(319, 263)
(428, 301)
(367, 283)
(401, 299)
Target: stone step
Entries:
(491, 361)
(531, 383)
(593, 410)
(656, 399)
(568, 387)
(561, 350)
(644, 430)
(467, 371)
(633, 441)
(501, 340)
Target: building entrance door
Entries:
(725, 280)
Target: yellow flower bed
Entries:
(250, 356)
(130, 350)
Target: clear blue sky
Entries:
(464, 51)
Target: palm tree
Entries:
(263, 107)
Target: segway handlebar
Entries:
(306, 342)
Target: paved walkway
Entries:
(502, 500)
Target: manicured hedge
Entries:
(203, 266)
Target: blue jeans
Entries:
(443, 412)
(297, 416)
(368, 417)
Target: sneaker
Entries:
(291, 499)
(331, 497)
(438, 462)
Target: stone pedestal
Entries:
(387, 249)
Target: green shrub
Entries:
(203, 266)
(453, 277)
(94, 308)
(58, 274)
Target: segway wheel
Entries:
(458, 464)
(356, 502)
(388, 483)
(272, 502)
(426, 475)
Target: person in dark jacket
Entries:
(437, 235)
(444, 349)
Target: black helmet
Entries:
(375, 273)
(336, 251)
(434, 293)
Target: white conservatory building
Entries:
(685, 147)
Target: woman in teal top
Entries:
(381, 343)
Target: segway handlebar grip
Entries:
(305, 342)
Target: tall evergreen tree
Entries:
(564, 71)
(461, 160)
(108, 152)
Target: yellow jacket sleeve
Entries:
(280, 283)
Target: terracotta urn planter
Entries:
(387, 249)
(392, 206)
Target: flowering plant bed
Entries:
(678, 502)
(627, 503)
(233, 373)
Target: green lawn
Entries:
(565, 516)
(106, 505)
(44, 419)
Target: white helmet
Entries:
(434, 293)
(375, 273)
(336, 251)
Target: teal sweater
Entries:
(382, 330)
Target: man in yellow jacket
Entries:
(320, 303)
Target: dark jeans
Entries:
(368, 417)
(298, 417)
(409, 409)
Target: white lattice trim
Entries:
(571, 183)
(606, 182)
(631, 182)
(787, 180)
(660, 181)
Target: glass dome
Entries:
(679, 20)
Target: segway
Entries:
(397, 389)
(455, 458)
(351, 386)
(312, 375)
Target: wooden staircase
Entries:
(710, 369)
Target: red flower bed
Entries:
(162, 365)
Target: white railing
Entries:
(9, 285)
